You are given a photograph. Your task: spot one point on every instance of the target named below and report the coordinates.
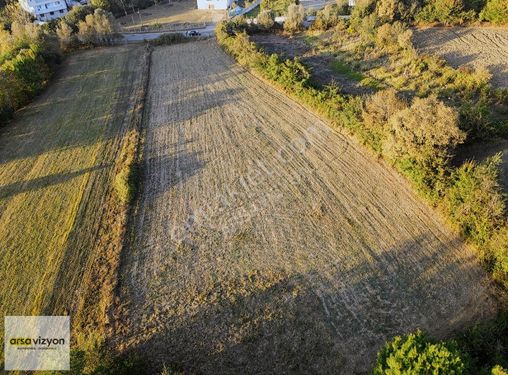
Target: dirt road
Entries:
(486, 47)
(264, 242)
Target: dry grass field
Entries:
(57, 161)
(265, 242)
(486, 47)
(179, 14)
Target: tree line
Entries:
(30, 53)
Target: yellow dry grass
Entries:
(57, 163)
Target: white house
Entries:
(352, 3)
(45, 10)
(214, 4)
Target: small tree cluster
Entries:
(294, 18)
(394, 36)
(98, 28)
(265, 19)
(326, 18)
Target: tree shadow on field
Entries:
(169, 171)
(19, 187)
(324, 321)
(76, 110)
(194, 104)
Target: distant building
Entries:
(352, 3)
(45, 10)
(214, 4)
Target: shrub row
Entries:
(449, 12)
(418, 138)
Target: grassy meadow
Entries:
(57, 163)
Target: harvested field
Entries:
(57, 161)
(265, 242)
(485, 47)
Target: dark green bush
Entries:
(416, 354)
(474, 201)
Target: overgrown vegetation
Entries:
(28, 55)
(447, 12)
(418, 137)
(278, 7)
(294, 18)
(480, 350)
(416, 354)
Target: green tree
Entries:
(294, 18)
(265, 19)
(495, 11)
(416, 354)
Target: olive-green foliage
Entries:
(98, 28)
(449, 12)
(127, 178)
(294, 18)
(391, 37)
(426, 132)
(168, 39)
(495, 11)
(265, 19)
(474, 202)
(278, 7)
(378, 109)
(326, 18)
(402, 10)
(75, 15)
(102, 4)
(416, 354)
(343, 7)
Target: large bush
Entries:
(449, 12)
(416, 354)
(326, 18)
(98, 28)
(474, 202)
(495, 11)
(294, 18)
(265, 19)
(427, 133)
(378, 109)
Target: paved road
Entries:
(315, 4)
(139, 37)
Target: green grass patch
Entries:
(342, 68)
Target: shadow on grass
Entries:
(317, 322)
(20, 187)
